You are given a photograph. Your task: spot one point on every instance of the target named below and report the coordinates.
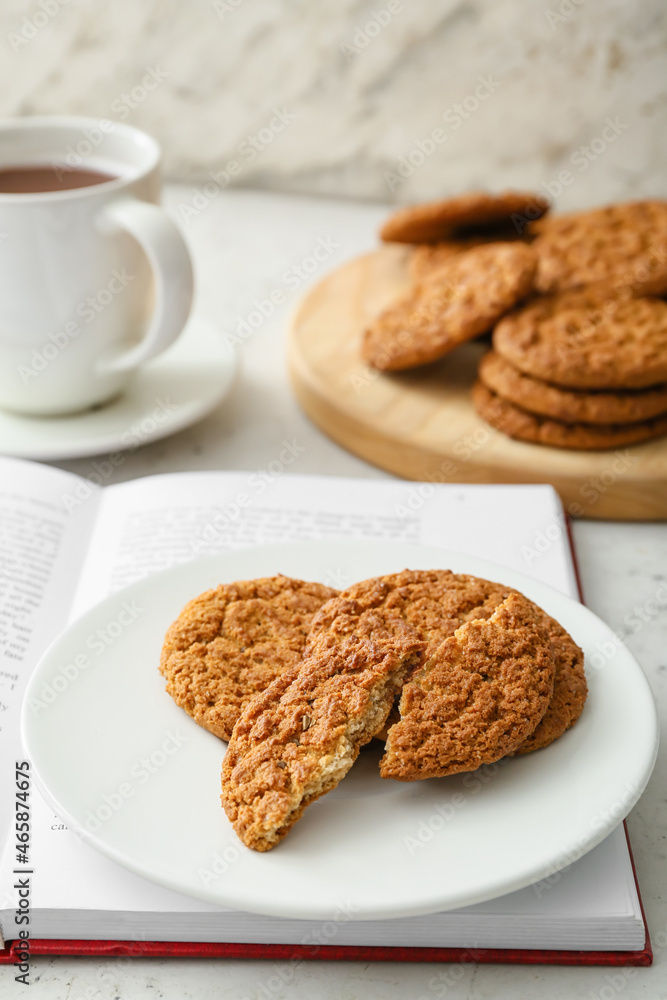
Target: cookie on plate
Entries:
(233, 641)
(434, 602)
(570, 405)
(623, 245)
(460, 300)
(569, 694)
(534, 429)
(477, 697)
(439, 220)
(594, 338)
(570, 688)
(297, 739)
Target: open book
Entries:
(67, 543)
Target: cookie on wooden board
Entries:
(477, 697)
(570, 405)
(460, 300)
(438, 220)
(594, 338)
(623, 245)
(428, 257)
(233, 641)
(534, 429)
(297, 739)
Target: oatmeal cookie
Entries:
(436, 603)
(624, 245)
(462, 299)
(429, 257)
(297, 739)
(524, 426)
(439, 220)
(478, 696)
(594, 338)
(570, 688)
(570, 405)
(232, 642)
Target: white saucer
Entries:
(170, 393)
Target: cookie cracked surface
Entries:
(436, 603)
(477, 697)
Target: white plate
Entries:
(169, 393)
(131, 771)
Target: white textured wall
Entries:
(354, 104)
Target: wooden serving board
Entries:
(421, 425)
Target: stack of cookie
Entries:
(469, 269)
(298, 677)
(583, 362)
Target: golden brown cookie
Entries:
(570, 405)
(462, 299)
(428, 257)
(524, 426)
(588, 339)
(568, 698)
(298, 738)
(478, 696)
(570, 688)
(623, 245)
(435, 602)
(439, 220)
(232, 642)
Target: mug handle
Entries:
(170, 262)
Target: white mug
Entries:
(95, 280)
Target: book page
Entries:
(151, 524)
(45, 518)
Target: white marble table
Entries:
(244, 243)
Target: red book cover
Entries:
(347, 953)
